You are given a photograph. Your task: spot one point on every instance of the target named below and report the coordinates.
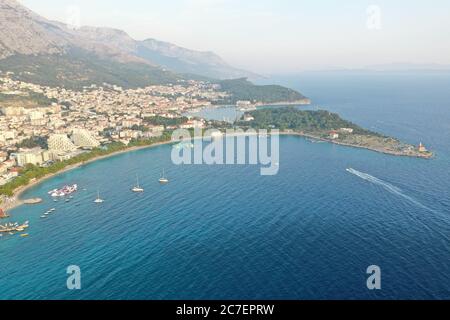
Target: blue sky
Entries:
(282, 35)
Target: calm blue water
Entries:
(225, 232)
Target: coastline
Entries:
(16, 201)
(383, 151)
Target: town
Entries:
(66, 123)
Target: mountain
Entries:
(187, 61)
(51, 53)
(22, 32)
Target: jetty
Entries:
(32, 201)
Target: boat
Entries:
(137, 188)
(23, 235)
(163, 179)
(52, 209)
(64, 191)
(99, 200)
(43, 217)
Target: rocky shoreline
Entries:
(416, 154)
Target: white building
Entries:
(333, 135)
(346, 130)
(34, 156)
(60, 142)
(82, 138)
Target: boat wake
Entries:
(389, 187)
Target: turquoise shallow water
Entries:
(225, 232)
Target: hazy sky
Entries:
(279, 35)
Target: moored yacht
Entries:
(137, 187)
(99, 200)
(163, 179)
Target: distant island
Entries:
(327, 126)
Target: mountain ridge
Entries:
(40, 36)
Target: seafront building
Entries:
(35, 156)
(83, 139)
(60, 143)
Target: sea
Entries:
(226, 232)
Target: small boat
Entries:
(99, 200)
(52, 209)
(137, 188)
(23, 235)
(163, 179)
(43, 217)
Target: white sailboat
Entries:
(163, 179)
(137, 187)
(99, 200)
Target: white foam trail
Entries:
(389, 187)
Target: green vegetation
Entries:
(242, 89)
(166, 122)
(290, 118)
(34, 142)
(28, 99)
(34, 172)
(78, 68)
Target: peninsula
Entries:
(326, 126)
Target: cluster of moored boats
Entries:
(67, 192)
(10, 228)
(64, 191)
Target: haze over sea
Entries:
(225, 232)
